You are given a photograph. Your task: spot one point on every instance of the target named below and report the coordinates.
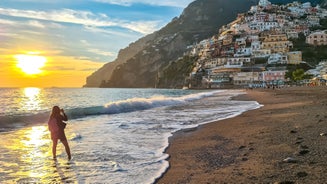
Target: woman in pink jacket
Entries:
(56, 127)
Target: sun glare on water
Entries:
(30, 63)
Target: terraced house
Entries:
(276, 43)
(317, 38)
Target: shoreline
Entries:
(252, 147)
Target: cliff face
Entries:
(139, 64)
(105, 72)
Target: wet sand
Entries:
(285, 141)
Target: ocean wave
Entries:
(135, 104)
(122, 106)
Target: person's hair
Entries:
(55, 112)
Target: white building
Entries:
(297, 11)
(264, 3)
(256, 45)
(234, 62)
(261, 53)
(240, 41)
(263, 26)
(242, 52)
(319, 71)
(237, 62)
(292, 34)
(306, 5)
(253, 38)
(253, 9)
(277, 59)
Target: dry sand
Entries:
(251, 148)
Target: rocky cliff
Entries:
(104, 73)
(138, 64)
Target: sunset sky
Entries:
(58, 43)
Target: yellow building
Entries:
(294, 57)
(277, 43)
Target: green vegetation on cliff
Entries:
(178, 71)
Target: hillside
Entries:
(153, 60)
(139, 64)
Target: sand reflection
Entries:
(27, 158)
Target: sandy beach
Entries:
(282, 142)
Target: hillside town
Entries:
(256, 49)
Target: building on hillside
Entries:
(246, 78)
(294, 57)
(227, 62)
(227, 39)
(249, 76)
(227, 50)
(243, 52)
(220, 77)
(257, 52)
(240, 43)
(255, 45)
(261, 53)
(296, 9)
(306, 5)
(319, 71)
(264, 3)
(317, 38)
(215, 62)
(276, 43)
(292, 34)
(244, 28)
(281, 19)
(313, 20)
(322, 13)
(277, 58)
(253, 37)
(263, 26)
(253, 9)
(237, 62)
(205, 53)
(323, 70)
(302, 28)
(273, 77)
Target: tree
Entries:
(298, 74)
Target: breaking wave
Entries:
(122, 106)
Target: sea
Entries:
(115, 135)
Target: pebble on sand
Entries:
(290, 160)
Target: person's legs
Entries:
(65, 143)
(54, 147)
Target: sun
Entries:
(30, 64)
